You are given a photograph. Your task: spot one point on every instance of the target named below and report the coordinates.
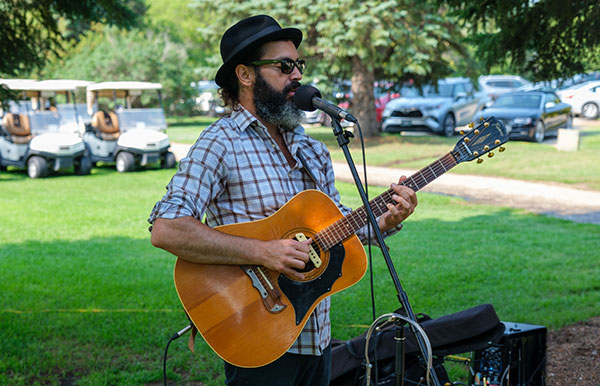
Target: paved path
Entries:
(549, 199)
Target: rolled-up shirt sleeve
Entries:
(199, 179)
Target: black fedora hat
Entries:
(250, 33)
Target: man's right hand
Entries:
(287, 256)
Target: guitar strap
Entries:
(308, 171)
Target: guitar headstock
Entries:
(482, 139)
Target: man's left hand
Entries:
(406, 201)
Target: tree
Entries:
(30, 31)
(547, 39)
(110, 54)
(372, 39)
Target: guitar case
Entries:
(469, 330)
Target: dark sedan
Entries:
(531, 115)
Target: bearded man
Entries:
(245, 167)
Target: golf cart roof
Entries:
(19, 84)
(124, 86)
(62, 84)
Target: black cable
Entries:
(178, 334)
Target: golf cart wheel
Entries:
(168, 161)
(37, 167)
(449, 125)
(125, 162)
(590, 110)
(539, 133)
(83, 166)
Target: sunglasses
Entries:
(287, 64)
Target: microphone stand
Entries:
(342, 139)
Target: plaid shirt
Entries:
(235, 172)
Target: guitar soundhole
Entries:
(309, 266)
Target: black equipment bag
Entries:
(469, 330)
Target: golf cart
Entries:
(123, 130)
(30, 136)
(68, 98)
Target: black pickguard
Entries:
(302, 294)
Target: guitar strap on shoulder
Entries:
(310, 173)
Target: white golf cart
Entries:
(123, 130)
(30, 136)
(68, 98)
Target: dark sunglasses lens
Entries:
(301, 65)
(287, 66)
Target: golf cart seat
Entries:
(106, 125)
(17, 126)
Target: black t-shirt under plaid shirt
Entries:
(235, 172)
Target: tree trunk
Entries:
(363, 98)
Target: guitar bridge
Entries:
(269, 294)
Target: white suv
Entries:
(495, 85)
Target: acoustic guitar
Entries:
(250, 315)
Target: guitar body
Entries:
(227, 308)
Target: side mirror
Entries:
(460, 95)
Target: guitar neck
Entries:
(355, 220)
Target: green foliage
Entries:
(544, 39)
(110, 54)
(31, 30)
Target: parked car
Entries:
(208, 100)
(437, 109)
(496, 85)
(584, 97)
(531, 115)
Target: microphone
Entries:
(308, 98)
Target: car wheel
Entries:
(37, 167)
(125, 162)
(449, 125)
(539, 133)
(83, 166)
(590, 110)
(168, 161)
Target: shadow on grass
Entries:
(97, 311)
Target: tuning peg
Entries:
(476, 132)
(486, 148)
(501, 149)
(486, 124)
(462, 132)
(467, 139)
(476, 153)
(497, 142)
(471, 125)
(479, 160)
(490, 154)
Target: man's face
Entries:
(274, 91)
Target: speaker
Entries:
(518, 359)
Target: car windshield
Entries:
(518, 101)
(142, 119)
(67, 112)
(443, 90)
(43, 121)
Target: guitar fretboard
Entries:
(355, 220)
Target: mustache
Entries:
(292, 86)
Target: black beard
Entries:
(274, 107)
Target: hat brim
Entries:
(293, 34)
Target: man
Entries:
(244, 168)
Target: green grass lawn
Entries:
(87, 300)
(521, 160)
